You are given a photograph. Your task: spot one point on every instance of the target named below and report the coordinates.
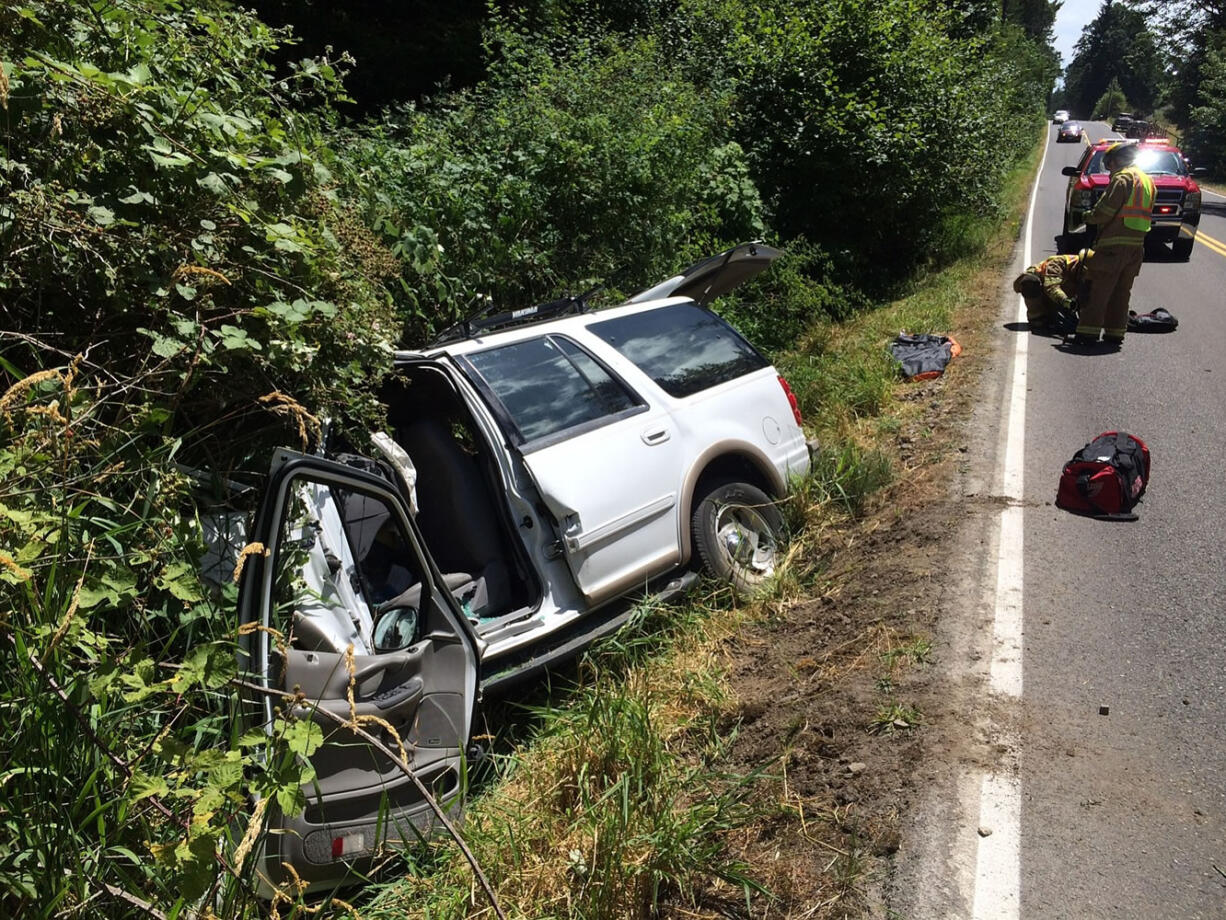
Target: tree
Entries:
(1112, 101)
(1117, 45)
(1207, 127)
(1186, 28)
(1034, 17)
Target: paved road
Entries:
(1087, 778)
(1124, 814)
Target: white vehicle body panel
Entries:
(615, 493)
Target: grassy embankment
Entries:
(610, 796)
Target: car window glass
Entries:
(386, 565)
(683, 348)
(340, 555)
(550, 384)
(1161, 161)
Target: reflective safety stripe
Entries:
(1121, 241)
(1138, 210)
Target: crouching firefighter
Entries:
(1122, 217)
(1051, 290)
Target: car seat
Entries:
(456, 514)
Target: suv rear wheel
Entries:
(738, 534)
(1182, 249)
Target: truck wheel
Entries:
(738, 532)
(1182, 249)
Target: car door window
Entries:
(343, 555)
(550, 385)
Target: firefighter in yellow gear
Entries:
(1122, 217)
(1051, 288)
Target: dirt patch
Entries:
(839, 703)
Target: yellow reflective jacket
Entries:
(1059, 276)
(1124, 212)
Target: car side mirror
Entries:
(1069, 171)
(395, 629)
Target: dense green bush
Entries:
(577, 163)
(171, 205)
(864, 136)
(174, 263)
(1207, 129)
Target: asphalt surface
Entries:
(1123, 755)
(1085, 778)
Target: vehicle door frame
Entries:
(575, 544)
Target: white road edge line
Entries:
(998, 867)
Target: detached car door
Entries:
(346, 610)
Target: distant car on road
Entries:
(1069, 131)
(1121, 121)
(1138, 130)
(1061, 116)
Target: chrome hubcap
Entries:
(746, 539)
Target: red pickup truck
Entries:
(1176, 201)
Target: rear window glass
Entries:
(683, 348)
(550, 384)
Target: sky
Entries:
(1072, 17)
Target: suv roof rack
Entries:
(493, 318)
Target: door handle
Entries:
(653, 436)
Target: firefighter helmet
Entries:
(1124, 153)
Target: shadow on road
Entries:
(1040, 331)
(1098, 350)
(1154, 252)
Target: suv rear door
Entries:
(346, 609)
(606, 462)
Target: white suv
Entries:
(540, 467)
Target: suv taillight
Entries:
(787, 391)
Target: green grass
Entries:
(894, 717)
(917, 652)
(595, 815)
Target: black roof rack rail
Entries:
(491, 318)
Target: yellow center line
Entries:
(1216, 245)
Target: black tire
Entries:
(738, 535)
(1181, 249)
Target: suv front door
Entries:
(349, 614)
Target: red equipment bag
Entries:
(1106, 478)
